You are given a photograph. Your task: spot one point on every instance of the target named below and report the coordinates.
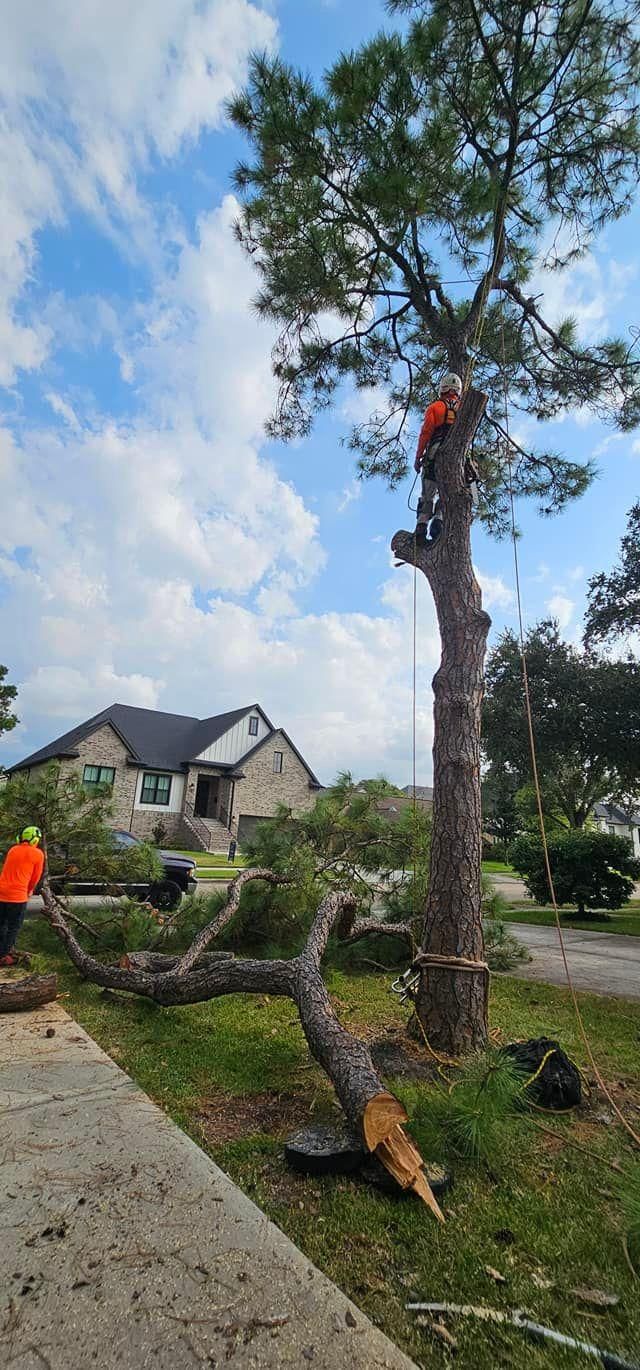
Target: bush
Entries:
(494, 851)
(590, 869)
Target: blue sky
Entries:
(154, 548)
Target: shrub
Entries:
(590, 869)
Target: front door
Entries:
(206, 800)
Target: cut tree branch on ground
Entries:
(30, 992)
(375, 1114)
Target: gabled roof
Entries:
(153, 738)
(613, 813)
(313, 779)
(423, 792)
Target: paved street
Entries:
(602, 962)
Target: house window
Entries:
(277, 763)
(253, 726)
(95, 777)
(155, 788)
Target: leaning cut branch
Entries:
(374, 1113)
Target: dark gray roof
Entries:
(613, 813)
(153, 738)
(424, 792)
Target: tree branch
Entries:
(376, 1114)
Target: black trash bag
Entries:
(553, 1082)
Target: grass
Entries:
(224, 873)
(211, 858)
(544, 1215)
(497, 868)
(620, 921)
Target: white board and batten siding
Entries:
(237, 741)
(176, 794)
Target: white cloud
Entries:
(79, 118)
(63, 692)
(166, 556)
(495, 593)
(576, 573)
(351, 492)
(586, 291)
(63, 409)
(561, 607)
(359, 405)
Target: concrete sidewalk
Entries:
(124, 1246)
(603, 962)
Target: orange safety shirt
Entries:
(23, 866)
(436, 415)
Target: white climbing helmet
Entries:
(451, 381)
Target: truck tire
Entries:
(165, 896)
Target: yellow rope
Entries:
(538, 1072)
(536, 779)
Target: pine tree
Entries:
(396, 212)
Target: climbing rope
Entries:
(534, 769)
(487, 286)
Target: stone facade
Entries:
(144, 822)
(261, 790)
(104, 748)
(257, 795)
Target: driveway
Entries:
(602, 962)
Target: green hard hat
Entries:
(31, 835)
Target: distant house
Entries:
(424, 795)
(622, 822)
(204, 780)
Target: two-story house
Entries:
(205, 780)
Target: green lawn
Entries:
(224, 873)
(620, 921)
(211, 858)
(236, 1074)
(497, 868)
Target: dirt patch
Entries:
(228, 1117)
(397, 1057)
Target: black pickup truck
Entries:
(179, 878)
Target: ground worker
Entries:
(21, 872)
(437, 424)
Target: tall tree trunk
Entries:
(452, 1002)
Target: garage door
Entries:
(247, 824)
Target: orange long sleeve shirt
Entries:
(23, 866)
(434, 418)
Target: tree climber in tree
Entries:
(437, 424)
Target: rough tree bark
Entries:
(30, 992)
(375, 1115)
(452, 1004)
